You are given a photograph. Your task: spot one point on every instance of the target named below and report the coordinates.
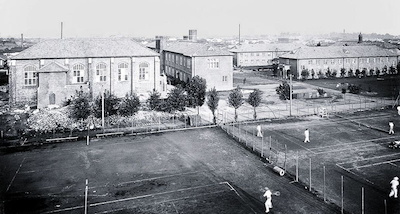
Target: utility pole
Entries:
(291, 94)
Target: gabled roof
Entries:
(266, 47)
(53, 67)
(84, 48)
(195, 49)
(340, 52)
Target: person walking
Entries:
(394, 183)
(259, 132)
(306, 136)
(391, 126)
(268, 202)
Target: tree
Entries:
(235, 99)
(80, 105)
(305, 73)
(212, 102)
(177, 99)
(398, 67)
(111, 105)
(154, 100)
(342, 72)
(254, 100)
(196, 92)
(328, 73)
(358, 72)
(351, 73)
(392, 70)
(334, 73)
(283, 91)
(364, 72)
(312, 73)
(129, 105)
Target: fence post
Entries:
(342, 194)
(310, 174)
(324, 185)
(262, 145)
(269, 147)
(362, 200)
(385, 204)
(297, 167)
(284, 165)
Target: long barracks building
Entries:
(336, 58)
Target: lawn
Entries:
(387, 86)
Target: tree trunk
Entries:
(255, 113)
(236, 116)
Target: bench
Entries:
(110, 134)
(61, 139)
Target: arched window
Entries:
(78, 73)
(101, 71)
(143, 71)
(30, 75)
(123, 72)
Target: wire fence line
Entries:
(302, 167)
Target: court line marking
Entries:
(375, 157)
(15, 175)
(283, 135)
(133, 198)
(374, 164)
(165, 201)
(158, 177)
(362, 177)
(356, 142)
(347, 148)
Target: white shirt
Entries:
(307, 133)
(268, 194)
(394, 183)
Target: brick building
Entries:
(51, 71)
(335, 58)
(184, 60)
(259, 56)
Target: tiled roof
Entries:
(195, 49)
(83, 48)
(265, 47)
(339, 52)
(53, 67)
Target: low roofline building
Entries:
(335, 58)
(260, 56)
(52, 71)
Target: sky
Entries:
(211, 18)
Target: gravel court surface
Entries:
(122, 168)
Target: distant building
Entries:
(259, 56)
(334, 58)
(184, 60)
(51, 71)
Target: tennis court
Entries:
(353, 145)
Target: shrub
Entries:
(80, 106)
(321, 91)
(283, 90)
(342, 72)
(354, 89)
(154, 100)
(305, 73)
(111, 105)
(129, 105)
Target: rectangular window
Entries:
(30, 78)
(332, 61)
(340, 61)
(224, 78)
(367, 60)
(213, 63)
(189, 62)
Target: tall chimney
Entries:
(22, 40)
(61, 30)
(239, 34)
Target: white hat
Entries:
(396, 178)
